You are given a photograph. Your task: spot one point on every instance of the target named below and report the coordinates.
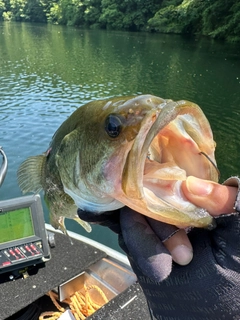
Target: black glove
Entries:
(141, 236)
(208, 288)
(110, 219)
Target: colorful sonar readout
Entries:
(16, 224)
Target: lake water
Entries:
(47, 71)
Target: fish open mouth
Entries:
(174, 142)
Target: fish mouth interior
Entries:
(169, 147)
(165, 163)
(166, 154)
(172, 156)
(173, 143)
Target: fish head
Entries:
(91, 157)
(136, 151)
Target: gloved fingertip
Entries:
(182, 255)
(157, 268)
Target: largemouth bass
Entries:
(132, 151)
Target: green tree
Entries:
(127, 14)
(2, 8)
(215, 18)
(111, 16)
(221, 20)
(17, 8)
(35, 10)
(178, 17)
(54, 14)
(92, 12)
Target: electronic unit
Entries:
(23, 237)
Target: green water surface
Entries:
(47, 71)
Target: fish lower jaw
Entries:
(170, 206)
(166, 193)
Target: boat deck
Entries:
(67, 261)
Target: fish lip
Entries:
(164, 115)
(153, 122)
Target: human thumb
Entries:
(215, 198)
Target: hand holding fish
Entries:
(209, 287)
(137, 232)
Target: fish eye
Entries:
(113, 125)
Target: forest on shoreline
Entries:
(218, 19)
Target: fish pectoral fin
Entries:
(66, 150)
(62, 227)
(58, 223)
(65, 160)
(84, 224)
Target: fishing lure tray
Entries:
(110, 277)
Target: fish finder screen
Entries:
(16, 224)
